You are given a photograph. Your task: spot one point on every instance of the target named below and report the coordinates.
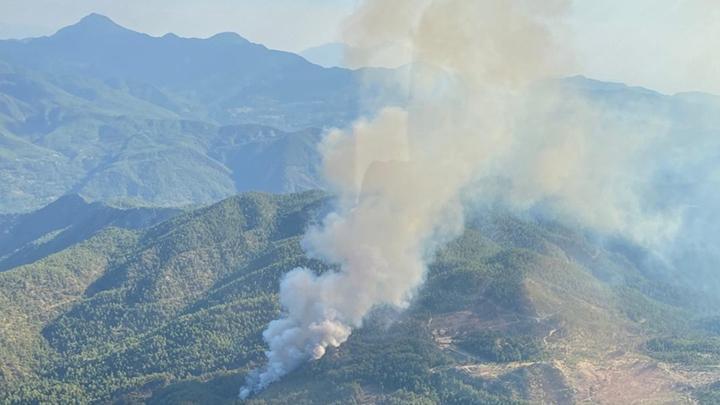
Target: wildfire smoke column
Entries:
(398, 175)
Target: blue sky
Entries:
(667, 45)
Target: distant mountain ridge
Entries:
(121, 116)
(225, 79)
(327, 55)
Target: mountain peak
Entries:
(229, 37)
(95, 18)
(95, 24)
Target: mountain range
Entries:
(129, 119)
(224, 79)
(123, 117)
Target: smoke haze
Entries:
(485, 120)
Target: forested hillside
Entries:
(25, 238)
(517, 309)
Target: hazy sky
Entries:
(284, 24)
(667, 45)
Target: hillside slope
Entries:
(515, 310)
(63, 223)
(152, 162)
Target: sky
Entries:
(281, 24)
(666, 45)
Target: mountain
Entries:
(177, 277)
(120, 116)
(126, 118)
(516, 309)
(223, 79)
(67, 221)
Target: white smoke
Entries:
(478, 123)
(398, 176)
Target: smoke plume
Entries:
(398, 176)
(484, 121)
